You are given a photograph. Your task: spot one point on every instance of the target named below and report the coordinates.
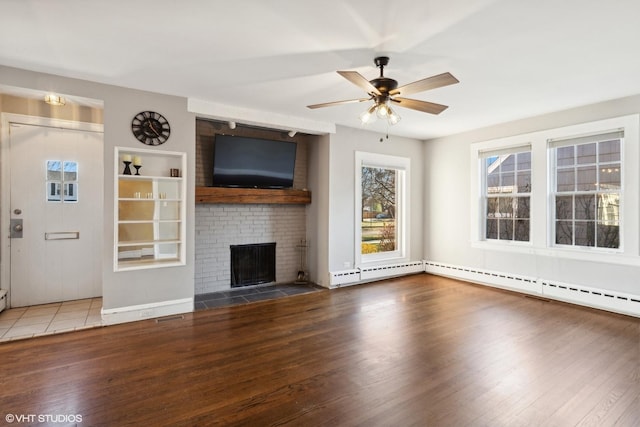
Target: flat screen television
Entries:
(252, 162)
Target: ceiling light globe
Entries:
(382, 111)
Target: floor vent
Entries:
(169, 318)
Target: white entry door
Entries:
(56, 216)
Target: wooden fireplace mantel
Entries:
(252, 196)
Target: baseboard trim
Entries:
(496, 279)
(133, 313)
(617, 302)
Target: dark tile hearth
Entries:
(246, 295)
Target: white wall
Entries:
(341, 233)
(318, 211)
(448, 207)
(130, 288)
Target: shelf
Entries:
(148, 221)
(144, 199)
(252, 196)
(150, 231)
(149, 178)
(147, 242)
(148, 263)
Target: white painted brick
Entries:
(219, 226)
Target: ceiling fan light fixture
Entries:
(366, 116)
(393, 117)
(385, 91)
(382, 111)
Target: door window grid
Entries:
(507, 195)
(62, 181)
(588, 193)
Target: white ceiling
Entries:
(514, 58)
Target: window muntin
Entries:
(62, 181)
(587, 191)
(379, 220)
(381, 185)
(507, 195)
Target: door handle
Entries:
(18, 227)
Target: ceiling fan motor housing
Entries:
(382, 83)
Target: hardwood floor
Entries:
(420, 350)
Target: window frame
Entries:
(484, 194)
(553, 193)
(541, 236)
(63, 187)
(402, 167)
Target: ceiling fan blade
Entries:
(432, 82)
(359, 80)
(330, 104)
(425, 107)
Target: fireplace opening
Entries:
(253, 264)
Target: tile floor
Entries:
(27, 322)
(249, 294)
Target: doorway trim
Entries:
(5, 172)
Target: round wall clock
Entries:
(150, 128)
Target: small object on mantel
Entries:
(283, 196)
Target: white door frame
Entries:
(5, 173)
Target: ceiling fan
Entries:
(383, 91)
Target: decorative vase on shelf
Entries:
(127, 169)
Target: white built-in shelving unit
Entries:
(150, 209)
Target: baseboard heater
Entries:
(618, 302)
(515, 282)
(384, 271)
(344, 277)
(367, 274)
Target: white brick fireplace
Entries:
(218, 226)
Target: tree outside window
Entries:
(379, 221)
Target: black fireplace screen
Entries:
(253, 264)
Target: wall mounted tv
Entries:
(252, 162)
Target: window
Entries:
(587, 190)
(62, 181)
(381, 184)
(507, 194)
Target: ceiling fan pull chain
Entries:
(386, 137)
